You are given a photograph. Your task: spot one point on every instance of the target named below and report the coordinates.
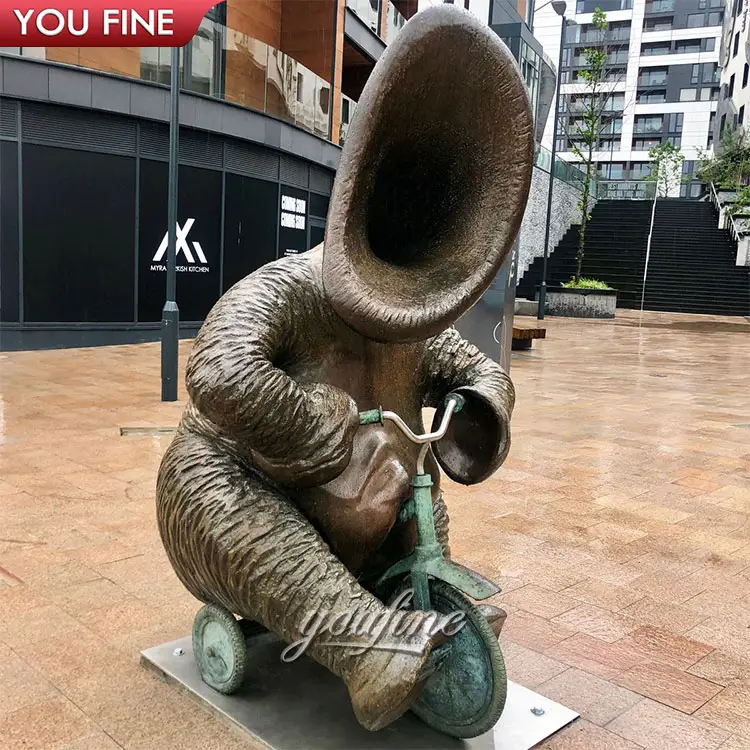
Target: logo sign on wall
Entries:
(195, 263)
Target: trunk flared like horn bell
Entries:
(433, 179)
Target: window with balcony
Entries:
(653, 76)
(651, 97)
(589, 6)
(658, 24)
(659, 6)
(645, 144)
(648, 124)
(687, 45)
(588, 34)
(639, 170)
(656, 48)
(368, 11)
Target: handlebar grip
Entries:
(374, 416)
(458, 398)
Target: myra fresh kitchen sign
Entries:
(191, 253)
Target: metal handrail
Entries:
(724, 214)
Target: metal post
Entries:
(543, 286)
(170, 318)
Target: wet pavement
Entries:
(618, 528)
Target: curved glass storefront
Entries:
(221, 62)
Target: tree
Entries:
(590, 121)
(666, 173)
(666, 168)
(729, 167)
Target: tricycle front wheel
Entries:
(466, 695)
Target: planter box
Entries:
(580, 303)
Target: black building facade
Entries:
(83, 211)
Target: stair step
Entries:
(691, 264)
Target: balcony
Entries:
(660, 6)
(368, 11)
(652, 80)
(647, 128)
(222, 63)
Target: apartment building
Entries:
(663, 83)
(734, 97)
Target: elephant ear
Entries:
(432, 182)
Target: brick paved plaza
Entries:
(619, 528)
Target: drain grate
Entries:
(124, 431)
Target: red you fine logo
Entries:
(96, 23)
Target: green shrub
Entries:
(585, 284)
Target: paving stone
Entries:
(668, 685)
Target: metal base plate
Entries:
(301, 706)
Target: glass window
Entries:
(653, 77)
(695, 73)
(741, 117)
(648, 124)
(705, 95)
(715, 19)
(688, 95)
(687, 45)
(736, 47)
(731, 85)
(658, 24)
(645, 144)
(710, 72)
(723, 125)
(616, 170)
(710, 43)
(744, 75)
(695, 20)
(652, 97)
(675, 122)
(702, 4)
(657, 48)
(675, 140)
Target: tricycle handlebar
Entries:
(453, 403)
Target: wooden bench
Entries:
(523, 337)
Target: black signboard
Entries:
(249, 226)
(9, 312)
(198, 241)
(78, 235)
